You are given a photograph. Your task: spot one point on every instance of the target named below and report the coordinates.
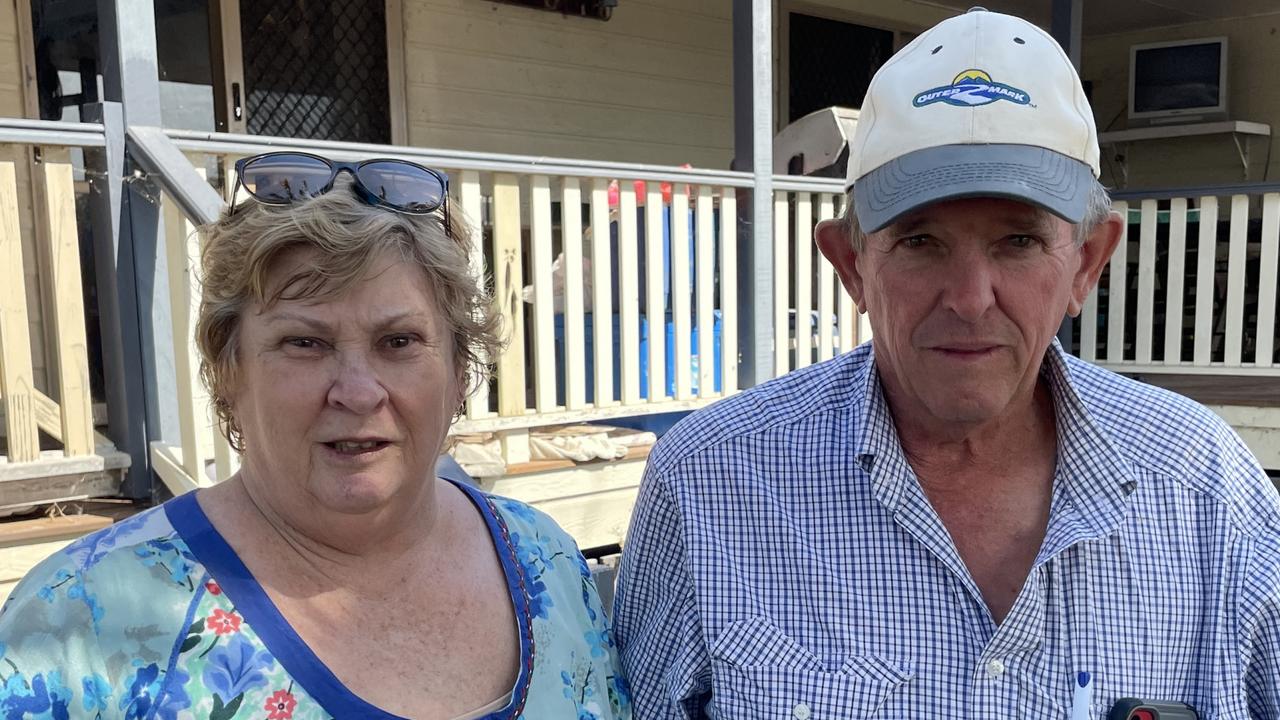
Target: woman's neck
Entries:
(328, 548)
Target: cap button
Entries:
(976, 8)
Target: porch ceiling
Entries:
(1111, 16)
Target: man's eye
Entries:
(302, 343)
(915, 241)
(1022, 241)
(399, 342)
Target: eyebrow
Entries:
(322, 326)
(1031, 220)
(909, 224)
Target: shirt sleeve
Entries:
(1260, 628)
(51, 665)
(656, 619)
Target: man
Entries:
(957, 519)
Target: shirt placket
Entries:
(1001, 661)
(1004, 666)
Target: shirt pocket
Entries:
(759, 673)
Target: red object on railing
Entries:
(641, 189)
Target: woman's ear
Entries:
(832, 237)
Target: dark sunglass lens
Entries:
(404, 186)
(285, 177)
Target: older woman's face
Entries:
(347, 400)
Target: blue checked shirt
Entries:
(783, 563)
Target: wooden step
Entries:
(57, 478)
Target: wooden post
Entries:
(1205, 262)
(183, 248)
(16, 382)
(1146, 282)
(508, 273)
(473, 208)
(1270, 253)
(680, 288)
(1175, 279)
(66, 313)
(655, 293)
(1235, 279)
(544, 348)
(1116, 291)
(628, 295)
(781, 288)
(575, 353)
(804, 280)
(826, 287)
(729, 290)
(602, 293)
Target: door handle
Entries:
(237, 108)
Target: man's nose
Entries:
(967, 288)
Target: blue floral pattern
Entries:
(128, 624)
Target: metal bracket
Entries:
(1243, 150)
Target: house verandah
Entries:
(632, 292)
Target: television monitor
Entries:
(1181, 81)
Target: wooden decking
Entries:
(1220, 389)
(1250, 404)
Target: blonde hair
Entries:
(347, 235)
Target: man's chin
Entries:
(969, 406)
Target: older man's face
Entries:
(964, 297)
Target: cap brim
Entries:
(1026, 173)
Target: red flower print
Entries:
(223, 622)
(213, 587)
(280, 705)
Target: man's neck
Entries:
(1026, 432)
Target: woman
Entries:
(333, 575)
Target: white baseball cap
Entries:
(980, 105)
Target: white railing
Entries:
(814, 317)
(204, 455)
(1191, 287)
(618, 287)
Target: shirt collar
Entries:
(1091, 475)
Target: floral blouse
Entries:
(157, 617)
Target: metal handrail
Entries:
(198, 141)
(1192, 191)
(163, 162)
(51, 132)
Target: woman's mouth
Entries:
(356, 447)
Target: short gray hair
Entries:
(1096, 212)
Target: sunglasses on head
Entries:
(284, 178)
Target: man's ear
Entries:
(833, 240)
(1094, 254)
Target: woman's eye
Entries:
(302, 343)
(399, 342)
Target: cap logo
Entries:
(972, 88)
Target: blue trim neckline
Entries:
(259, 612)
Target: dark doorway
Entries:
(831, 62)
(316, 70)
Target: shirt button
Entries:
(801, 712)
(995, 669)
